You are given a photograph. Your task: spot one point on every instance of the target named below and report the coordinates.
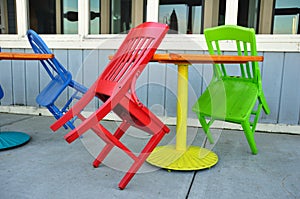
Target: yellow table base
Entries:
(194, 158)
(181, 156)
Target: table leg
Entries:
(181, 156)
(182, 101)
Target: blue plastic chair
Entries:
(61, 79)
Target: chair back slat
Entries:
(135, 52)
(121, 62)
(128, 61)
(131, 63)
(245, 44)
(219, 52)
(247, 65)
(239, 51)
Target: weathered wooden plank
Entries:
(31, 80)
(272, 69)
(156, 88)
(18, 83)
(290, 91)
(6, 80)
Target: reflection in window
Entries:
(182, 16)
(120, 16)
(248, 13)
(286, 17)
(54, 16)
(42, 16)
(95, 20)
(8, 23)
(70, 17)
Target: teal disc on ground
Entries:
(11, 139)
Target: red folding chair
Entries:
(116, 88)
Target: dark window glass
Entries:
(8, 22)
(183, 17)
(222, 11)
(54, 17)
(120, 16)
(248, 13)
(42, 16)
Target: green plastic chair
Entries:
(238, 97)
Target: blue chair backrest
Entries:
(39, 46)
(1, 92)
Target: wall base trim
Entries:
(191, 122)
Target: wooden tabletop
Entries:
(203, 58)
(24, 56)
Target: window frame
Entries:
(84, 40)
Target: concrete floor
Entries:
(49, 167)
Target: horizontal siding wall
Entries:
(157, 86)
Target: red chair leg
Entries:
(141, 159)
(108, 147)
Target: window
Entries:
(115, 16)
(222, 11)
(69, 24)
(120, 16)
(286, 17)
(184, 17)
(8, 22)
(54, 16)
(248, 13)
(213, 13)
(95, 17)
(83, 17)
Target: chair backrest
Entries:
(50, 65)
(1, 92)
(245, 42)
(132, 56)
(61, 79)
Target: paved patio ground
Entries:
(49, 167)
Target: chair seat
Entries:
(229, 99)
(51, 92)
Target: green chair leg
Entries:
(264, 103)
(250, 137)
(205, 127)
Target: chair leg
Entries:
(58, 114)
(108, 147)
(205, 127)
(141, 158)
(256, 117)
(250, 136)
(264, 103)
